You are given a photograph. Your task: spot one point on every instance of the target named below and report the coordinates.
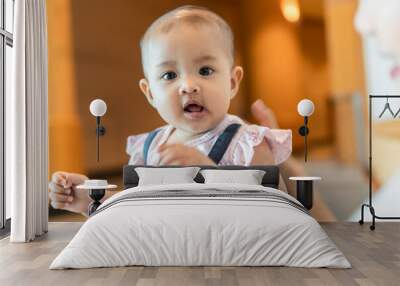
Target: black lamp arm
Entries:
(100, 131)
(303, 131)
(305, 138)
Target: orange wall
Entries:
(344, 47)
(65, 134)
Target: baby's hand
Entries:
(64, 194)
(179, 154)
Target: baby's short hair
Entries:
(190, 14)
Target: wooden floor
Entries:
(374, 255)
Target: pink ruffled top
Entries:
(239, 152)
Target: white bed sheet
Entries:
(189, 231)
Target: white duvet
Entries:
(200, 224)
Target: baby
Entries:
(190, 79)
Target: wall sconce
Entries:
(305, 108)
(98, 108)
(290, 10)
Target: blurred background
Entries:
(290, 50)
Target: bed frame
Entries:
(270, 179)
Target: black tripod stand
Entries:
(369, 205)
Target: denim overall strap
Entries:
(221, 145)
(147, 144)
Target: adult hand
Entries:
(264, 115)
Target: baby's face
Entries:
(190, 79)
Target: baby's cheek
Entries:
(220, 105)
(169, 110)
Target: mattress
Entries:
(201, 225)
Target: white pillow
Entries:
(162, 176)
(249, 177)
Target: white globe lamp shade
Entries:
(98, 107)
(305, 107)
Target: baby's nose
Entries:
(189, 87)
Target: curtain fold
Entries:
(27, 122)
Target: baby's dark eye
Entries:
(169, 75)
(204, 71)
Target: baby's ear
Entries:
(236, 77)
(145, 88)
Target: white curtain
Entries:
(26, 124)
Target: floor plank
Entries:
(374, 255)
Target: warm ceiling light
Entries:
(290, 10)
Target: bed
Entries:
(201, 224)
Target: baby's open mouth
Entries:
(193, 107)
(194, 110)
